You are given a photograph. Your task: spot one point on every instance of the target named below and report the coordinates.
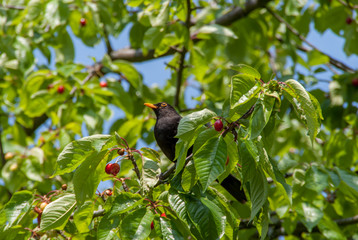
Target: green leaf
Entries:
(219, 32)
(316, 58)
(269, 165)
(108, 228)
(124, 202)
(136, 35)
(311, 215)
(245, 69)
(177, 203)
(127, 69)
(88, 175)
(57, 213)
(193, 121)
(261, 116)
(15, 209)
(34, 9)
(299, 98)
(64, 49)
(56, 13)
(83, 217)
(248, 163)
(263, 222)
(151, 154)
(243, 89)
(181, 153)
(31, 167)
(169, 229)
(136, 225)
(207, 217)
(316, 179)
(150, 171)
(258, 192)
(189, 177)
(163, 15)
(349, 179)
(152, 37)
(78, 151)
(232, 156)
(330, 229)
(279, 177)
(210, 161)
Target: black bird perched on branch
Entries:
(165, 130)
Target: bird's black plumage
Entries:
(165, 130)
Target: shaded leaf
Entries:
(210, 161)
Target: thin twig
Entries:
(233, 125)
(332, 60)
(92, 72)
(171, 66)
(136, 169)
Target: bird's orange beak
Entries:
(150, 105)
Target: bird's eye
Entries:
(163, 105)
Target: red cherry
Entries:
(83, 22)
(103, 84)
(218, 125)
(60, 89)
(108, 168)
(152, 225)
(163, 214)
(349, 20)
(115, 169)
(355, 82)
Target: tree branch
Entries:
(237, 13)
(332, 60)
(182, 58)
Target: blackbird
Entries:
(165, 130)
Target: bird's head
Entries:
(162, 109)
